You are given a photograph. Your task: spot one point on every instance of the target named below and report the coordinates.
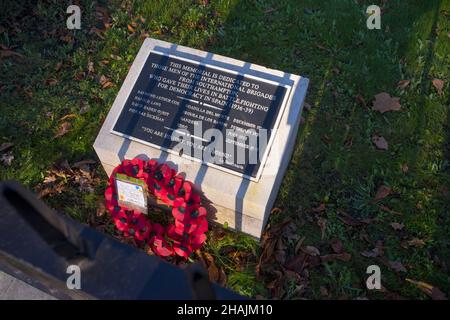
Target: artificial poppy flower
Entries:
(197, 240)
(157, 230)
(194, 199)
(182, 249)
(180, 212)
(143, 230)
(176, 183)
(175, 234)
(167, 173)
(197, 212)
(161, 247)
(202, 226)
(121, 220)
(186, 226)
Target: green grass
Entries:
(334, 161)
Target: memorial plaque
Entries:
(215, 108)
(172, 94)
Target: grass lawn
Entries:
(57, 85)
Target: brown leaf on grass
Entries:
(382, 192)
(361, 100)
(298, 246)
(384, 102)
(375, 252)
(349, 220)
(105, 83)
(63, 129)
(402, 84)
(311, 250)
(213, 271)
(405, 168)
(297, 263)
(101, 207)
(5, 146)
(68, 116)
(439, 85)
(336, 256)
(397, 226)
(115, 57)
(222, 278)
(323, 291)
(433, 292)
(319, 209)
(387, 209)
(7, 158)
(51, 82)
(322, 223)
(7, 53)
(416, 242)
(336, 245)
(49, 179)
(370, 254)
(307, 106)
(83, 163)
(131, 29)
(380, 142)
(280, 253)
(58, 66)
(397, 266)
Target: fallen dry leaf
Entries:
(380, 142)
(68, 116)
(280, 252)
(382, 192)
(5, 146)
(323, 291)
(402, 84)
(361, 100)
(131, 29)
(370, 254)
(322, 223)
(336, 245)
(384, 102)
(397, 226)
(297, 263)
(439, 85)
(319, 209)
(387, 209)
(311, 250)
(63, 129)
(433, 292)
(101, 207)
(336, 256)
(349, 220)
(7, 158)
(7, 53)
(405, 168)
(397, 266)
(416, 242)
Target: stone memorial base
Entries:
(237, 201)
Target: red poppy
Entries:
(180, 212)
(121, 220)
(157, 230)
(143, 230)
(182, 249)
(197, 240)
(161, 247)
(186, 226)
(202, 226)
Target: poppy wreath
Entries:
(182, 236)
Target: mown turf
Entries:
(334, 163)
